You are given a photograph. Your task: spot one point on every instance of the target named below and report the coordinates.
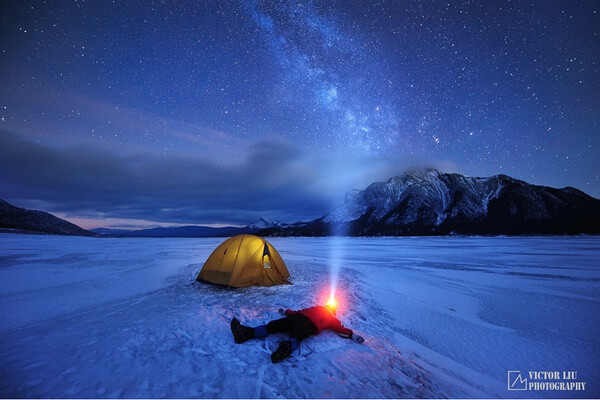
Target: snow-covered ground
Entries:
(442, 317)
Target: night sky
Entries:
(131, 114)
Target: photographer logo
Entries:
(516, 381)
(545, 380)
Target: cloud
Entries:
(271, 181)
(79, 117)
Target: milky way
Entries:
(332, 79)
(317, 97)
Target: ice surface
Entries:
(442, 317)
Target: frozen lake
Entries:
(442, 317)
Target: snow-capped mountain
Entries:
(263, 223)
(433, 203)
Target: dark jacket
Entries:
(322, 318)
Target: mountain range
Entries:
(433, 203)
(412, 204)
(191, 230)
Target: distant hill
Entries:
(178, 231)
(189, 231)
(110, 232)
(31, 221)
(433, 203)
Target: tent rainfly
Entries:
(244, 260)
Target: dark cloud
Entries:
(271, 181)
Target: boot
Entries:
(240, 332)
(283, 351)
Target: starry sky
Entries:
(156, 113)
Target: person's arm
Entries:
(344, 332)
(341, 330)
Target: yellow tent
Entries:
(244, 260)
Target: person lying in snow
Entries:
(299, 324)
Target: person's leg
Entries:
(240, 332)
(302, 328)
(281, 325)
(243, 333)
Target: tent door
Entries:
(266, 259)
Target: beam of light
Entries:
(336, 258)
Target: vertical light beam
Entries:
(336, 258)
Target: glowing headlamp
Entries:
(332, 303)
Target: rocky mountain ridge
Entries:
(433, 203)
